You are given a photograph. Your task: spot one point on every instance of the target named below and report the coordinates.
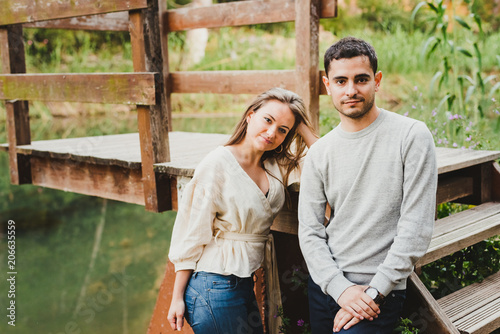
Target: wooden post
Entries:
(166, 69)
(307, 59)
(18, 126)
(152, 120)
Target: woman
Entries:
(226, 212)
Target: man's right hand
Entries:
(355, 301)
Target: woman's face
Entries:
(269, 125)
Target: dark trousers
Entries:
(323, 308)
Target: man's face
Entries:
(352, 86)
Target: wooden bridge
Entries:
(149, 167)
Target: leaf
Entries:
(469, 93)
(462, 22)
(480, 81)
(464, 51)
(489, 78)
(477, 19)
(498, 60)
(429, 43)
(414, 12)
(434, 8)
(450, 101)
(443, 101)
(494, 89)
(479, 56)
(433, 81)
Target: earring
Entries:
(281, 146)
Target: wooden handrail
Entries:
(127, 88)
(32, 11)
(237, 14)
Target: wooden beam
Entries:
(162, 8)
(127, 88)
(106, 181)
(23, 11)
(307, 61)
(453, 188)
(496, 182)
(237, 14)
(18, 126)
(152, 120)
(230, 82)
(102, 22)
(424, 311)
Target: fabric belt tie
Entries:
(270, 264)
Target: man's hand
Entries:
(344, 320)
(355, 301)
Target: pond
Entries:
(84, 264)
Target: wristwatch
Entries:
(377, 297)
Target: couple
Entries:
(376, 171)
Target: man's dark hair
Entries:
(350, 47)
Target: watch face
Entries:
(372, 292)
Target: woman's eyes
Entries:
(283, 131)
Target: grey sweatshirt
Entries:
(381, 185)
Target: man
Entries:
(377, 172)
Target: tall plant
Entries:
(460, 88)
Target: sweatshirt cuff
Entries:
(382, 284)
(337, 286)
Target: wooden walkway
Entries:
(187, 149)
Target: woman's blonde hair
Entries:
(293, 146)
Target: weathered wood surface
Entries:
(18, 127)
(239, 13)
(307, 77)
(127, 88)
(461, 230)
(106, 181)
(475, 309)
(187, 150)
(145, 37)
(24, 11)
(454, 159)
(102, 22)
(453, 188)
(231, 82)
(424, 311)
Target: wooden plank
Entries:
(18, 127)
(496, 181)
(230, 82)
(452, 188)
(153, 120)
(128, 88)
(424, 311)
(23, 11)
(106, 181)
(475, 308)
(118, 150)
(462, 230)
(162, 7)
(307, 60)
(102, 22)
(237, 14)
(450, 159)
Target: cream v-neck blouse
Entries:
(221, 196)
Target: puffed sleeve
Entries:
(193, 227)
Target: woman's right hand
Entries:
(176, 314)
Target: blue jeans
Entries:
(218, 304)
(323, 308)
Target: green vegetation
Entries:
(438, 68)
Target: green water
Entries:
(83, 264)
